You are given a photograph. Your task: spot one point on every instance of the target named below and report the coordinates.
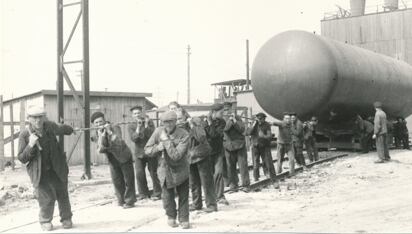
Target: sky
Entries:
(140, 45)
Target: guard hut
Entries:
(115, 106)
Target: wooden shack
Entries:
(115, 105)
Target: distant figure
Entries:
(172, 142)
(297, 139)
(201, 173)
(46, 165)
(309, 135)
(261, 136)
(110, 143)
(403, 132)
(285, 143)
(139, 133)
(380, 133)
(365, 129)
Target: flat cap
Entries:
(168, 115)
(292, 113)
(138, 107)
(96, 115)
(36, 110)
(377, 104)
(227, 103)
(217, 107)
(261, 115)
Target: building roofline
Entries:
(48, 92)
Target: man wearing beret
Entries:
(285, 143)
(261, 134)
(214, 131)
(234, 143)
(173, 171)
(380, 133)
(46, 165)
(110, 143)
(297, 139)
(139, 133)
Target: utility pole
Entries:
(86, 90)
(247, 65)
(188, 74)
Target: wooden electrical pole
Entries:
(247, 65)
(2, 159)
(188, 74)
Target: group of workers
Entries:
(397, 130)
(197, 154)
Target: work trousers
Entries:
(201, 177)
(382, 147)
(366, 142)
(311, 149)
(233, 158)
(282, 150)
(123, 181)
(219, 170)
(258, 156)
(140, 167)
(169, 203)
(298, 149)
(266, 155)
(50, 189)
(405, 141)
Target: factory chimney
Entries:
(357, 7)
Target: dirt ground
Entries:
(351, 194)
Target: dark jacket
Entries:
(234, 135)
(140, 139)
(113, 146)
(266, 134)
(32, 156)
(199, 148)
(297, 132)
(174, 163)
(214, 133)
(285, 132)
(380, 122)
(309, 131)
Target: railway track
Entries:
(253, 187)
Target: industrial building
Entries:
(115, 105)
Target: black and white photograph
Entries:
(165, 116)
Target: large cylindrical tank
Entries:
(312, 75)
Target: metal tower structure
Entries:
(62, 73)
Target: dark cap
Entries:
(217, 107)
(136, 107)
(227, 104)
(168, 115)
(377, 104)
(261, 115)
(286, 113)
(96, 115)
(293, 113)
